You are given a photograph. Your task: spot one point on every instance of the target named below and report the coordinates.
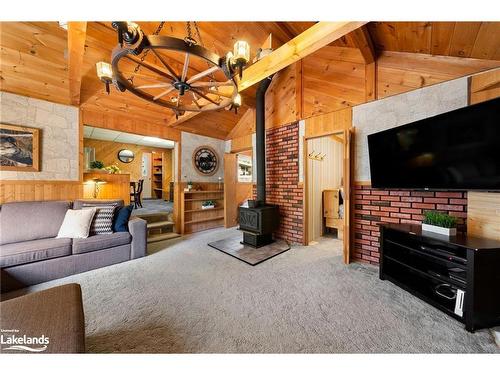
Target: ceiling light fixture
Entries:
(105, 73)
(241, 56)
(206, 90)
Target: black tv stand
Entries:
(459, 275)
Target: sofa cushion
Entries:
(102, 223)
(100, 242)
(122, 216)
(26, 221)
(96, 202)
(13, 254)
(77, 223)
(55, 313)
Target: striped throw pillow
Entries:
(103, 218)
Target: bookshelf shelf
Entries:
(193, 217)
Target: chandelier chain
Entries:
(144, 55)
(198, 33)
(212, 77)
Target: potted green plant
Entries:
(439, 222)
(96, 164)
(190, 186)
(207, 205)
(112, 169)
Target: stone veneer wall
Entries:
(399, 110)
(189, 143)
(59, 135)
(282, 180)
(373, 207)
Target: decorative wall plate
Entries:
(205, 160)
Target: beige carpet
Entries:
(189, 297)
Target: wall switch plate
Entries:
(459, 303)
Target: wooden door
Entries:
(348, 149)
(230, 207)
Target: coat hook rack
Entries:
(316, 156)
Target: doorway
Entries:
(238, 177)
(327, 190)
(146, 171)
(134, 158)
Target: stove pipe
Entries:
(260, 138)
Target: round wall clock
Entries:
(205, 160)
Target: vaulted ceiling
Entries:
(34, 59)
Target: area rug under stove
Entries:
(248, 254)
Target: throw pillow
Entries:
(103, 218)
(120, 223)
(76, 223)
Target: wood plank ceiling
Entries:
(34, 61)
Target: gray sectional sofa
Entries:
(30, 253)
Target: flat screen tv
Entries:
(457, 150)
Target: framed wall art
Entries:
(19, 148)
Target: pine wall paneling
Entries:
(129, 124)
(29, 190)
(484, 86)
(399, 72)
(483, 218)
(117, 186)
(321, 175)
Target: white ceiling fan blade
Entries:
(154, 86)
(205, 73)
(185, 68)
(212, 84)
(164, 93)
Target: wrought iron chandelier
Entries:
(167, 84)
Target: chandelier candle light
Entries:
(105, 73)
(188, 88)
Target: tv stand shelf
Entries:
(459, 275)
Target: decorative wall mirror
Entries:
(125, 156)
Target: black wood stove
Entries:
(258, 220)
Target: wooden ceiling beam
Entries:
(363, 42)
(314, 38)
(77, 33)
(185, 117)
(245, 126)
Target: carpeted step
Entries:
(154, 218)
(162, 237)
(160, 224)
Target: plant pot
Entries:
(207, 207)
(440, 230)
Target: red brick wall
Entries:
(282, 180)
(374, 206)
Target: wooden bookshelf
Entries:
(157, 173)
(193, 217)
